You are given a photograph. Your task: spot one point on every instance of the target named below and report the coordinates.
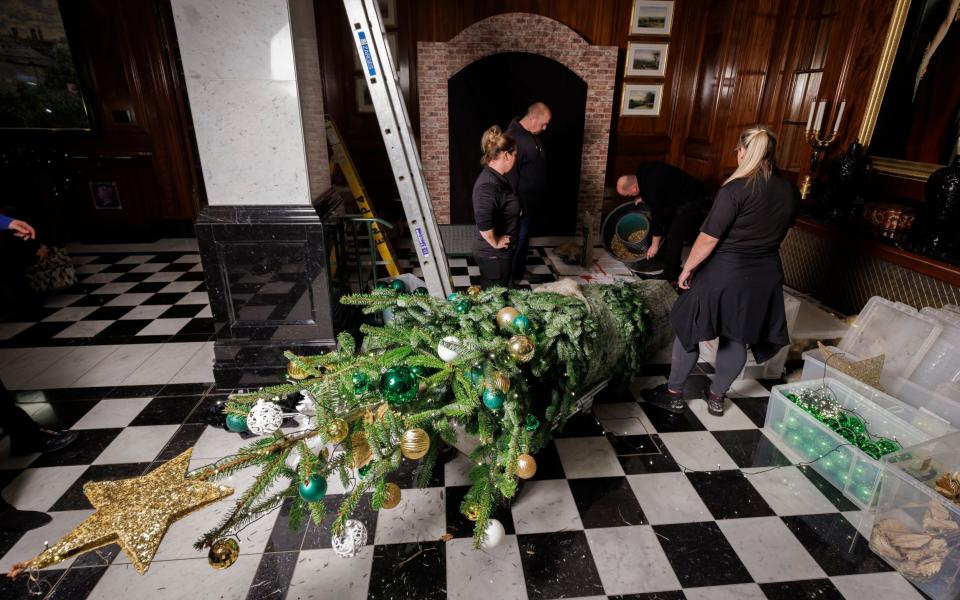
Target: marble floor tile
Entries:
(861, 520)
(558, 565)
(548, 464)
(750, 448)
(112, 412)
(16, 373)
(137, 444)
(768, 550)
(457, 471)
(147, 267)
(835, 544)
(195, 298)
(421, 516)
(61, 300)
(177, 580)
(743, 591)
(606, 502)
(216, 443)
(8, 330)
(164, 327)
(458, 525)
(321, 574)
(668, 498)
(545, 506)
(664, 421)
(32, 542)
(199, 367)
(630, 560)
(167, 410)
(484, 574)
(114, 288)
(700, 555)
(77, 582)
(84, 329)
(38, 489)
(145, 312)
(129, 300)
(588, 457)
(75, 499)
(118, 365)
(729, 495)
(70, 313)
(697, 450)
(273, 576)
(788, 491)
(180, 286)
(135, 259)
(416, 579)
(733, 417)
(809, 588)
(165, 363)
(748, 388)
(876, 586)
(100, 278)
(754, 408)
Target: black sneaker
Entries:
(45, 441)
(715, 403)
(664, 398)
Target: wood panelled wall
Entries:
(731, 64)
(127, 63)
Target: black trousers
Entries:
(496, 269)
(686, 220)
(15, 421)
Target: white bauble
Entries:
(306, 405)
(351, 541)
(446, 353)
(493, 535)
(264, 418)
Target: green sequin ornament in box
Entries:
(532, 423)
(462, 307)
(313, 489)
(825, 445)
(794, 438)
(792, 421)
(871, 450)
(887, 445)
(833, 423)
(842, 459)
(399, 385)
(847, 434)
(361, 382)
(857, 425)
(521, 323)
(493, 398)
(398, 286)
(421, 291)
(236, 423)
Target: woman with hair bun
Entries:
(496, 209)
(734, 276)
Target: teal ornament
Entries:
(862, 473)
(828, 463)
(825, 445)
(462, 306)
(382, 285)
(810, 432)
(780, 427)
(886, 445)
(399, 385)
(476, 375)
(795, 439)
(493, 398)
(842, 458)
(864, 493)
(313, 489)
(453, 297)
(362, 471)
(792, 421)
(361, 382)
(843, 478)
(236, 423)
(810, 450)
(398, 286)
(421, 291)
(532, 423)
(521, 323)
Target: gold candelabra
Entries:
(820, 144)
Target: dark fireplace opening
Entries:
(493, 91)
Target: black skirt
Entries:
(738, 297)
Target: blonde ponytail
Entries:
(760, 154)
(493, 142)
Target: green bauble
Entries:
(462, 307)
(847, 434)
(779, 426)
(361, 382)
(362, 471)
(313, 489)
(871, 450)
(795, 439)
(521, 323)
(398, 286)
(833, 423)
(842, 459)
(810, 433)
(843, 478)
(399, 385)
(828, 464)
(493, 398)
(382, 285)
(825, 445)
(809, 449)
(237, 423)
(792, 421)
(532, 423)
(863, 473)
(476, 375)
(792, 398)
(864, 493)
(886, 445)
(453, 296)
(418, 370)
(857, 425)
(421, 291)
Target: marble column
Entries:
(253, 81)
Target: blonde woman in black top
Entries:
(733, 275)
(496, 209)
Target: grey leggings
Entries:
(731, 356)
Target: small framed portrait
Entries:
(641, 99)
(364, 101)
(651, 17)
(646, 60)
(388, 12)
(105, 195)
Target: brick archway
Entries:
(437, 62)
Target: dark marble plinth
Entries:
(268, 271)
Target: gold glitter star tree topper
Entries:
(135, 513)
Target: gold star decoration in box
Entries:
(135, 513)
(867, 370)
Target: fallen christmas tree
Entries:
(505, 366)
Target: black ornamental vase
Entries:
(937, 228)
(848, 180)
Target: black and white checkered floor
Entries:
(628, 502)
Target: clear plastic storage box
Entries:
(917, 529)
(847, 468)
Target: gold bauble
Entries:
(391, 497)
(414, 444)
(526, 466)
(521, 348)
(361, 450)
(472, 512)
(473, 291)
(223, 553)
(337, 430)
(296, 372)
(501, 382)
(505, 317)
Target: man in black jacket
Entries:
(675, 199)
(528, 176)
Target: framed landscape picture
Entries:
(646, 60)
(641, 99)
(651, 17)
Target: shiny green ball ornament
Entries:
(833, 424)
(493, 398)
(399, 385)
(462, 307)
(532, 423)
(858, 426)
(847, 434)
(418, 370)
(453, 297)
(362, 471)
(864, 493)
(871, 450)
(476, 375)
(382, 285)
(886, 445)
(521, 323)
(361, 382)
(421, 291)
(792, 421)
(825, 445)
(828, 463)
(236, 423)
(313, 489)
(810, 432)
(780, 427)
(795, 439)
(398, 286)
(862, 473)
(842, 459)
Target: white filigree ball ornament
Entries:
(351, 540)
(446, 353)
(264, 418)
